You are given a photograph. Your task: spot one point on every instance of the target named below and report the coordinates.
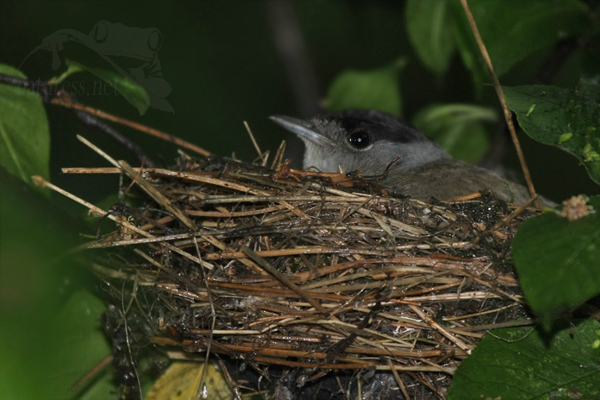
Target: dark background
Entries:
(222, 63)
(224, 66)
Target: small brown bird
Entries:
(369, 141)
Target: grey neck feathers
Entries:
(375, 160)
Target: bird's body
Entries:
(447, 179)
(408, 163)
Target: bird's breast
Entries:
(447, 179)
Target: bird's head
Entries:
(363, 140)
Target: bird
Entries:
(404, 159)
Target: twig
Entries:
(101, 152)
(278, 159)
(44, 89)
(263, 156)
(234, 386)
(284, 279)
(38, 180)
(441, 329)
(507, 219)
(68, 102)
(129, 145)
(291, 351)
(398, 380)
(214, 319)
(502, 99)
(156, 195)
(52, 95)
(93, 371)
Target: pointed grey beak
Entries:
(304, 129)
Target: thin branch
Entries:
(502, 99)
(52, 95)
(44, 89)
(129, 145)
(68, 102)
(90, 374)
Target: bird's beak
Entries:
(304, 129)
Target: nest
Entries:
(320, 279)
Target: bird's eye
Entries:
(359, 140)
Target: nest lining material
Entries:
(289, 268)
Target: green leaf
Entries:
(518, 363)
(50, 332)
(514, 29)
(558, 112)
(376, 89)
(558, 261)
(458, 128)
(79, 344)
(72, 68)
(135, 94)
(24, 133)
(428, 23)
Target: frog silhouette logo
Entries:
(131, 51)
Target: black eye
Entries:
(359, 140)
